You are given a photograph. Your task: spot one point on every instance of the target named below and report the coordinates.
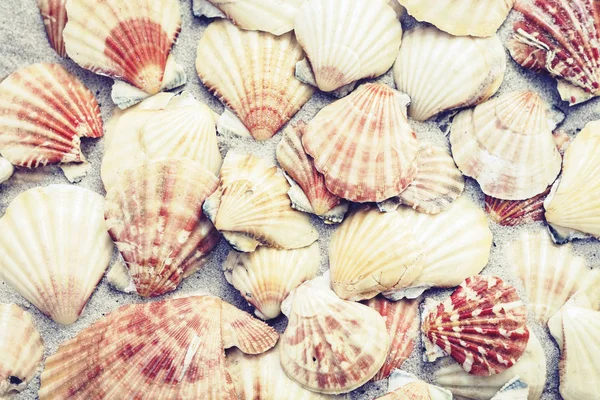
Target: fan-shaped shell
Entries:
(348, 40)
(154, 215)
(506, 144)
(364, 145)
(372, 252)
(404, 386)
(259, 87)
(21, 349)
(251, 207)
(168, 349)
(54, 14)
(473, 70)
(516, 212)
(44, 112)
(515, 389)
(266, 276)
(481, 325)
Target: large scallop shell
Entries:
(516, 212)
(57, 249)
(251, 207)
(54, 14)
(44, 112)
(154, 215)
(506, 144)
(482, 325)
(21, 349)
(259, 87)
(473, 70)
(404, 386)
(171, 349)
(308, 192)
(348, 40)
(364, 145)
(372, 252)
(561, 38)
(266, 276)
(461, 17)
(331, 345)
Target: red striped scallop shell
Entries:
(54, 14)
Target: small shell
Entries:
(58, 248)
(251, 207)
(154, 215)
(404, 386)
(515, 389)
(44, 112)
(308, 192)
(6, 170)
(170, 349)
(364, 145)
(118, 277)
(266, 276)
(516, 212)
(259, 87)
(461, 17)
(348, 40)
(21, 349)
(402, 323)
(54, 14)
(481, 325)
(506, 144)
(331, 345)
(473, 70)
(372, 252)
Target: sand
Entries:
(23, 42)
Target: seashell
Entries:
(438, 183)
(308, 192)
(118, 277)
(266, 276)
(21, 349)
(364, 145)
(331, 345)
(6, 170)
(506, 144)
(260, 87)
(462, 17)
(402, 323)
(58, 248)
(251, 207)
(171, 349)
(559, 37)
(473, 70)
(566, 209)
(515, 389)
(154, 215)
(44, 112)
(129, 41)
(481, 325)
(372, 252)
(255, 337)
(404, 386)
(54, 14)
(347, 40)
(516, 212)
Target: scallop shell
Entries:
(251, 207)
(404, 386)
(168, 349)
(561, 38)
(364, 145)
(266, 276)
(348, 40)
(516, 212)
(481, 325)
(128, 40)
(154, 215)
(6, 170)
(473, 70)
(260, 87)
(566, 208)
(58, 248)
(308, 192)
(402, 323)
(515, 389)
(461, 17)
(331, 345)
(506, 144)
(373, 252)
(44, 112)
(54, 14)
(21, 349)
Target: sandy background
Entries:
(23, 42)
